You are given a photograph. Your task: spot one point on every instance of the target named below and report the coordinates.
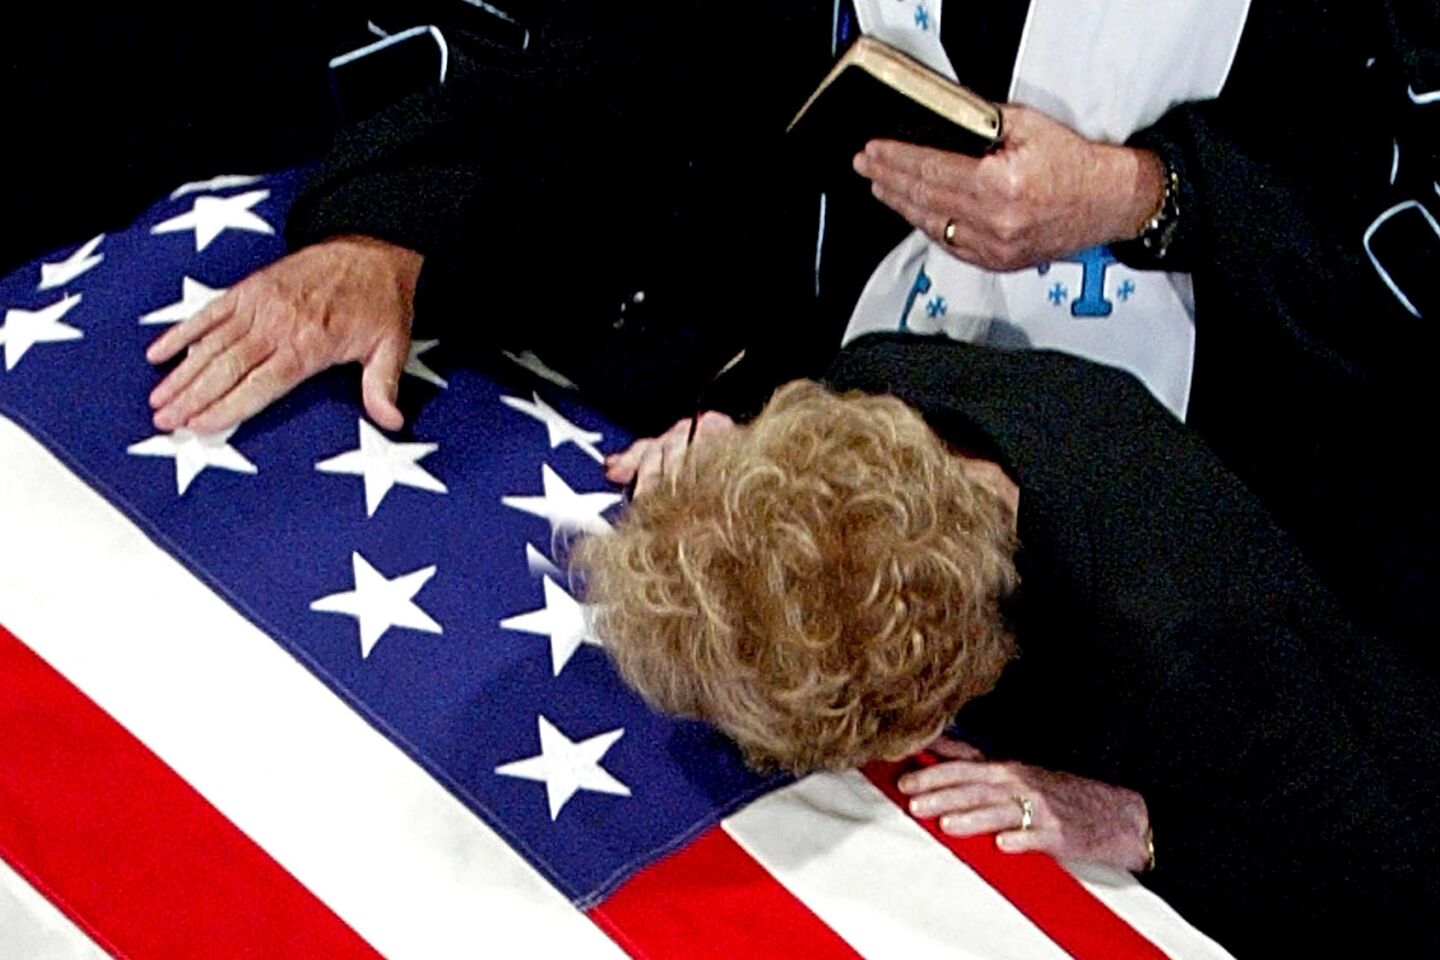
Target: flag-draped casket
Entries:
(310, 689)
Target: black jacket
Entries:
(1307, 364)
(1172, 640)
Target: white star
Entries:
(566, 767)
(194, 295)
(564, 508)
(193, 452)
(559, 429)
(562, 619)
(538, 564)
(417, 368)
(61, 272)
(226, 181)
(211, 216)
(379, 604)
(384, 463)
(23, 329)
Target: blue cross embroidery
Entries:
(1091, 302)
(1058, 293)
(1126, 290)
(936, 307)
(921, 285)
(922, 17)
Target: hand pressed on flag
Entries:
(343, 300)
(1028, 808)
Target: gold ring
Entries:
(1027, 812)
(949, 233)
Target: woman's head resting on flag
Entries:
(823, 584)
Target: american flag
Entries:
(305, 689)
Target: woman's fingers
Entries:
(970, 796)
(1030, 808)
(650, 467)
(1039, 839)
(953, 749)
(646, 462)
(969, 823)
(953, 773)
(621, 467)
(664, 462)
(713, 423)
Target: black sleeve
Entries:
(474, 171)
(615, 198)
(1300, 784)
(1315, 101)
(1308, 221)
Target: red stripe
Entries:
(1038, 887)
(115, 839)
(712, 901)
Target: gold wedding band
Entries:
(949, 233)
(1027, 812)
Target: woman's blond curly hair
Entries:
(822, 585)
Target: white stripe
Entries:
(389, 850)
(878, 879)
(868, 870)
(32, 929)
(1144, 911)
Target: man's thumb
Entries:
(380, 382)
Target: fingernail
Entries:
(906, 784)
(949, 824)
(922, 807)
(1003, 841)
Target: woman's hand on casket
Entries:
(646, 462)
(341, 300)
(1071, 816)
(1043, 193)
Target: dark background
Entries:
(105, 107)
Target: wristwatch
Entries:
(1158, 232)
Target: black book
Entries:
(876, 92)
